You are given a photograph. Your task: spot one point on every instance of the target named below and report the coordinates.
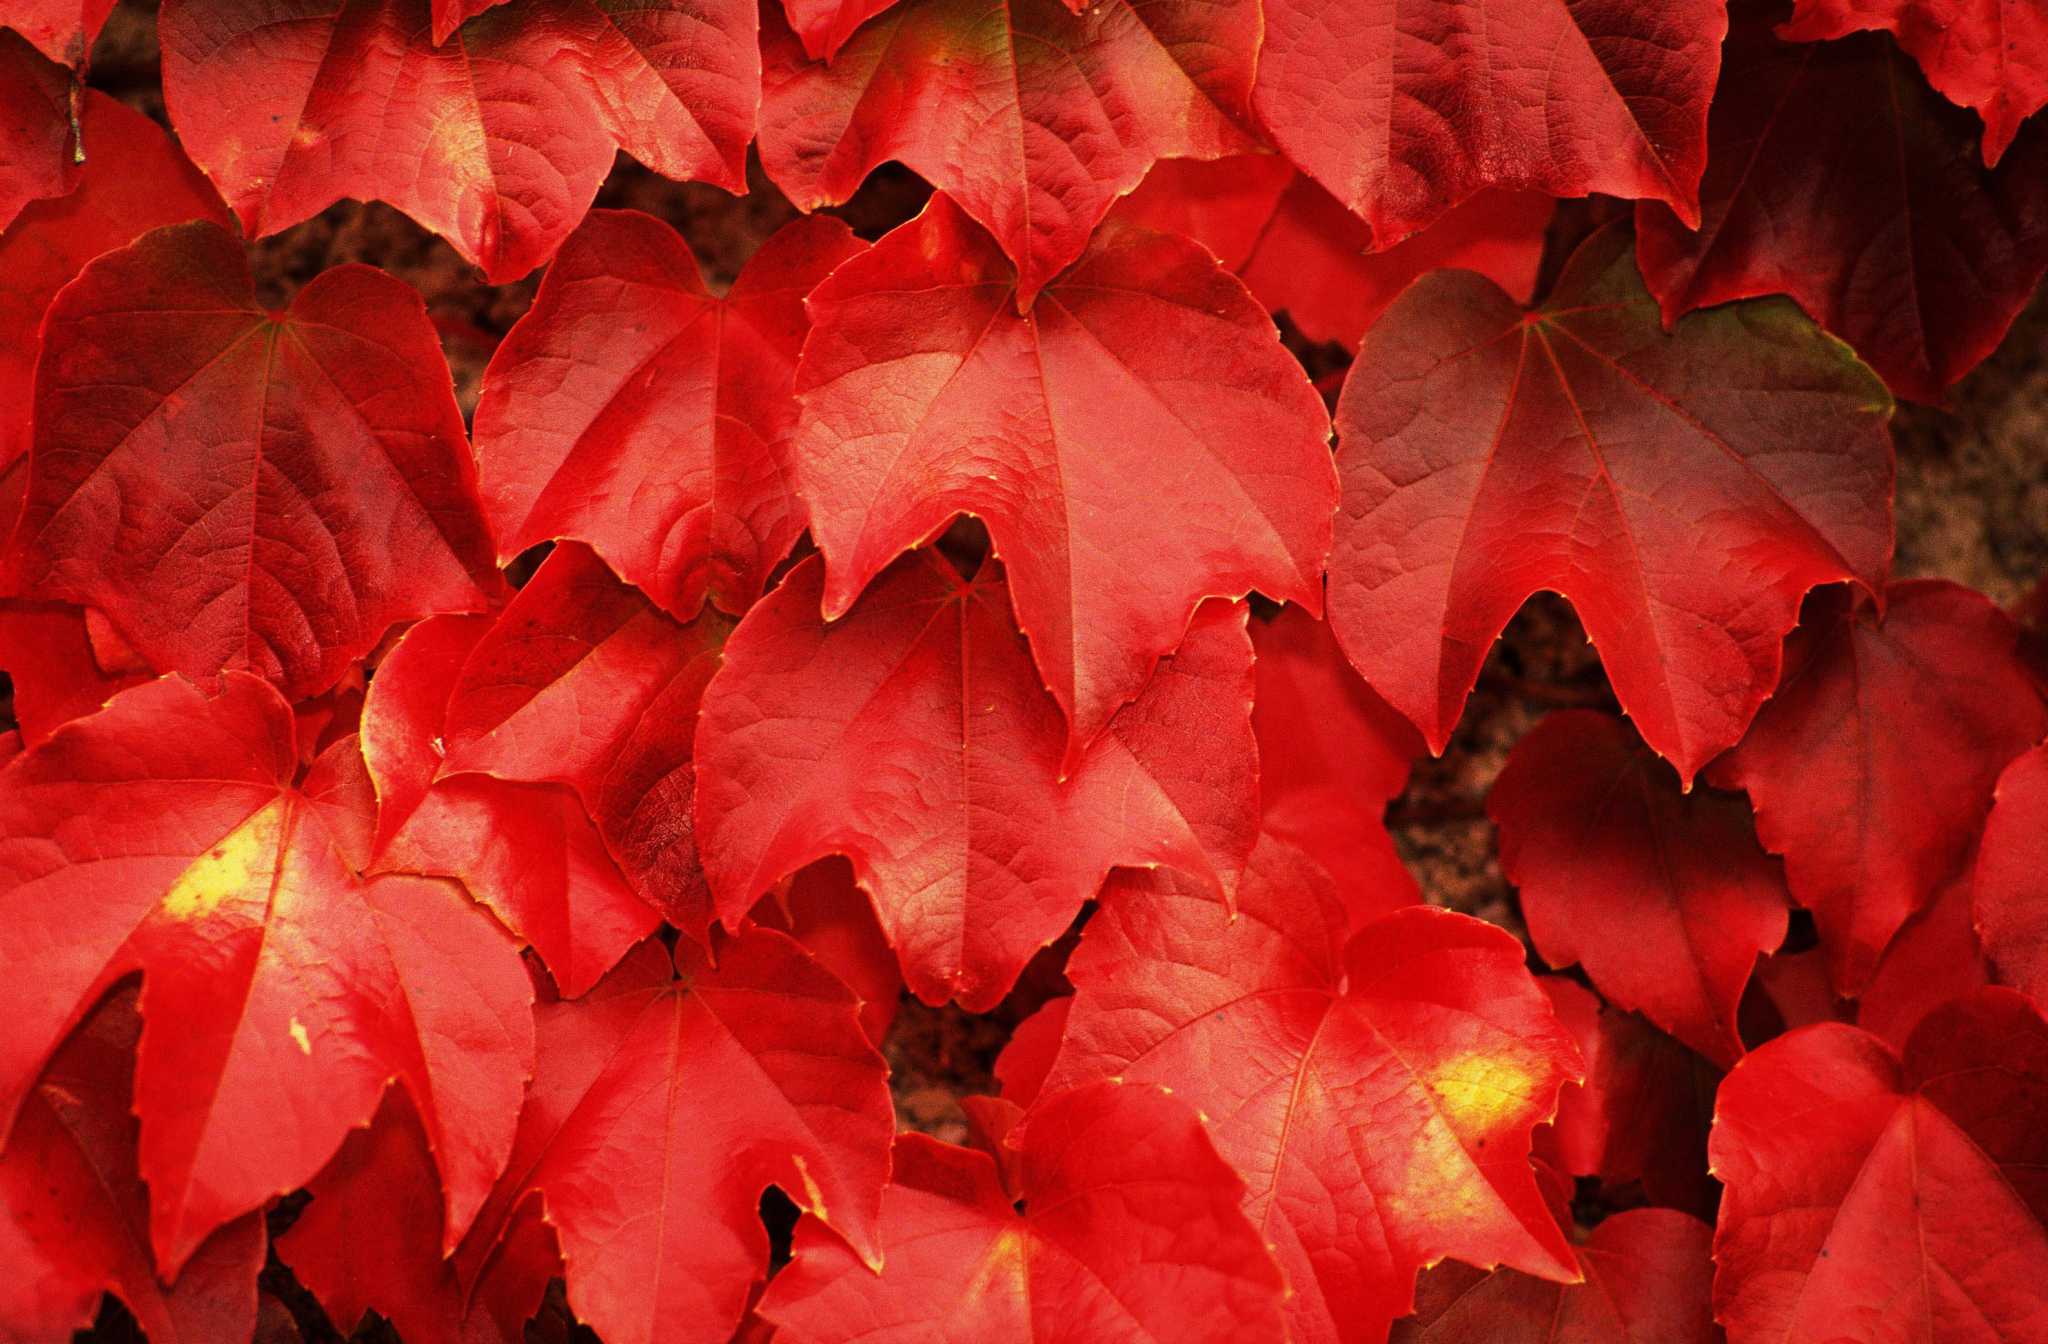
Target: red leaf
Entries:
(2010, 887)
(449, 15)
(280, 993)
(1027, 1057)
(632, 410)
(38, 157)
(1838, 178)
(371, 1241)
(1404, 113)
(46, 653)
(496, 139)
(242, 489)
(914, 738)
(62, 30)
(1033, 118)
(825, 25)
(822, 908)
(1297, 249)
(1990, 55)
(1649, 1275)
(1331, 757)
(583, 682)
(1138, 442)
(660, 1110)
(1872, 768)
(1871, 1199)
(134, 179)
(1126, 1225)
(74, 1217)
(1664, 897)
(1378, 1097)
(1641, 1116)
(525, 850)
(1933, 958)
(1684, 492)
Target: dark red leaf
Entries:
(1404, 112)
(2010, 888)
(632, 410)
(1873, 766)
(38, 156)
(1125, 1225)
(1839, 178)
(1378, 1097)
(914, 738)
(1665, 898)
(1138, 442)
(1684, 491)
(1934, 957)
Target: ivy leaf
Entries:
(1137, 442)
(1403, 113)
(62, 30)
(1879, 1196)
(48, 655)
(280, 993)
(584, 682)
(1381, 1091)
(2010, 886)
(632, 410)
(1684, 491)
(914, 737)
(241, 489)
(1649, 1274)
(496, 139)
(1032, 117)
(1665, 898)
(38, 155)
(74, 1215)
(663, 1106)
(1983, 54)
(1117, 1220)
(1828, 155)
(1872, 768)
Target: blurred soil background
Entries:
(1972, 507)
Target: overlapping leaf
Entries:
(1107, 1216)
(2011, 879)
(38, 150)
(236, 488)
(1872, 767)
(1839, 178)
(280, 993)
(48, 656)
(913, 736)
(62, 30)
(496, 139)
(1881, 1197)
(1377, 1096)
(1402, 112)
(1032, 116)
(633, 411)
(1684, 491)
(1139, 441)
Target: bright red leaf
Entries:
(46, 653)
(584, 682)
(662, 1107)
(1839, 178)
(825, 25)
(1118, 1221)
(280, 993)
(1403, 112)
(1376, 1095)
(1872, 767)
(632, 410)
(1874, 1198)
(1297, 249)
(825, 910)
(525, 850)
(1684, 491)
(1665, 898)
(1139, 441)
(134, 179)
(74, 1216)
(496, 139)
(1990, 55)
(236, 488)
(62, 30)
(1027, 1057)
(1331, 757)
(1934, 957)
(1649, 1275)
(914, 738)
(2010, 887)
(370, 1240)
(1033, 118)
(38, 155)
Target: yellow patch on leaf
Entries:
(242, 861)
